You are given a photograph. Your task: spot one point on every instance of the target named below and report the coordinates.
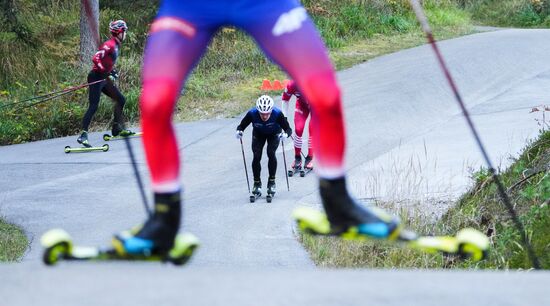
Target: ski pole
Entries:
(284, 160)
(245, 169)
(51, 95)
(138, 177)
(423, 20)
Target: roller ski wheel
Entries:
(305, 171)
(103, 148)
(108, 137)
(468, 243)
(293, 171)
(58, 246)
(269, 197)
(183, 249)
(254, 196)
(296, 166)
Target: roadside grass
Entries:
(528, 183)
(13, 242)
(509, 13)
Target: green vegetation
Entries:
(509, 13)
(13, 242)
(528, 184)
(229, 75)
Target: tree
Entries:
(12, 23)
(89, 30)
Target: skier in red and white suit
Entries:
(301, 113)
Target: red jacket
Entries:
(105, 59)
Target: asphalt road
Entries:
(407, 140)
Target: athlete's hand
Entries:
(283, 135)
(239, 134)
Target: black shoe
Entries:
(271, 186)
(157, 235)
(297, 164)
(83, 139)
(257, 188)
(308, 163)
(344, 212)
(119, 130)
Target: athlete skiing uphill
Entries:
(301, 112)
(103, 68)
(268, 125)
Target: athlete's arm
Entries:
(245, 122)
(283, 122)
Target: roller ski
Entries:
(103, 148)
(58, 246)
(86, 146)
(122, 135)
(308, 166)
(345, 218)
(271, 189)
(119, 132)
(296, 166)
(156, 240)
(467, 243)
(256, 191)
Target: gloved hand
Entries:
(283, 135)
(239, 134)
(113, 76)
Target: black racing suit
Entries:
(265, 131)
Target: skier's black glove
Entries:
(113, 76)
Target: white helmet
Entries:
(264, 104)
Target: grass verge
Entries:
(528, 184)
(13, 242)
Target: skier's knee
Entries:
(272, 156)
(157, 100)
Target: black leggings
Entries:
(94, 92)
(258, 142)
